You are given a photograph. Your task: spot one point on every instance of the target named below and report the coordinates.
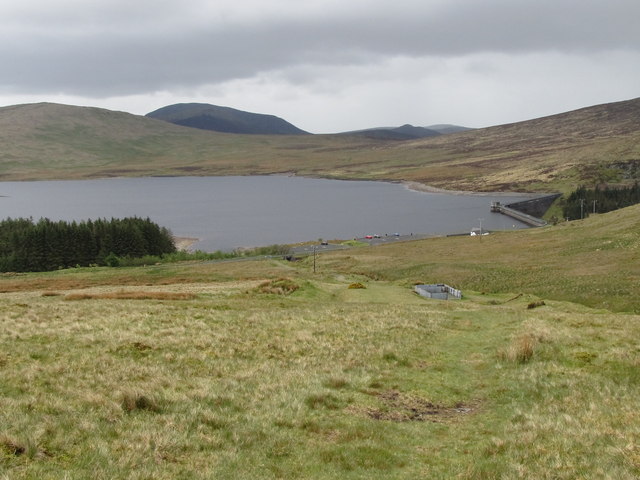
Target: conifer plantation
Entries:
(607, 199)
(28, 246)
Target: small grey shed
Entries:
(439, 291)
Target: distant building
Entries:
(439, 291)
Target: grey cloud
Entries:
(121, 48)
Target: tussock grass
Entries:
(336, 383)
(51, 294)
(331, 382)
(521, 349)
(323, 400)
(129, 295)
(16, 447)
(281, 286)
(524, 345)
(536, 304)
(135, 401)
(309, 387)
(12, 446)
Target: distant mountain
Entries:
(446, 128)
(224, 119)
(405, 132)
(415, 132)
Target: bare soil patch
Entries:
(401, 407)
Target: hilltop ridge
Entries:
(224, 119)
(554, 153)
(404, 132)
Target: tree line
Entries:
(581, 202)
(45, 245)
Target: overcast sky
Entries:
(325, 65)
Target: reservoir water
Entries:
(229, 212)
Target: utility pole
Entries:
(581, 208)
(480, 219)
(314, 259)
(594, 206)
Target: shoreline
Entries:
(417, 186)
(185, 243)
(421, 187)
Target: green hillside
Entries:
(264, 369)
(51, 141)
(595, 262)
(46, 141)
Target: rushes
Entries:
(527, 343)
(520, 350)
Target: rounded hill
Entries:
(224, 119)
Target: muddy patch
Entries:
(401, 407)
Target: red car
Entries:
(368, 237)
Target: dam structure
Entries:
(528, 211)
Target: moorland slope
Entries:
(555, 153)
(265, 369)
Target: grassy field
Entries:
(263, 369)
(595, 262)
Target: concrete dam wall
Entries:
(527, 211)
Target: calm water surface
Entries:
(229, 212)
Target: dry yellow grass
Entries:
(328, 381)
(131, 295)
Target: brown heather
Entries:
(554, 153)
